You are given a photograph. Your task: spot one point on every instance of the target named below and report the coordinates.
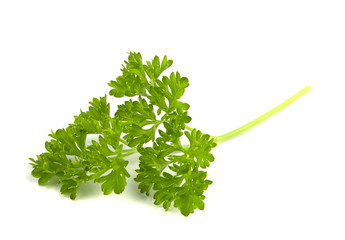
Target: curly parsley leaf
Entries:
(174, 172)
(72, 162)
(155, 68)
(135, 74)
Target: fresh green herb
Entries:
(173, 157)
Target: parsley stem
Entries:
(123, 141)
(125, 153)
(262, 118)
(189, 128)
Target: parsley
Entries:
(153, 123)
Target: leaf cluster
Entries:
(152, 123)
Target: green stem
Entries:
(125, 152)
(189, 128)
(123, 141)
(262, 118)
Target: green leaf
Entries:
(95, 119)
(174, 172)
(139, 121)
(166, 92)
(116, 180)
(66, 137)
(200, 147)
(70, 186)
(67, 156)
(136, 112)
(133, 80)
(45, 177)
(155, 68)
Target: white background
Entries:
(284, 179)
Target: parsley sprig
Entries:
(173, 157)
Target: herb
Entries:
(153, 123)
